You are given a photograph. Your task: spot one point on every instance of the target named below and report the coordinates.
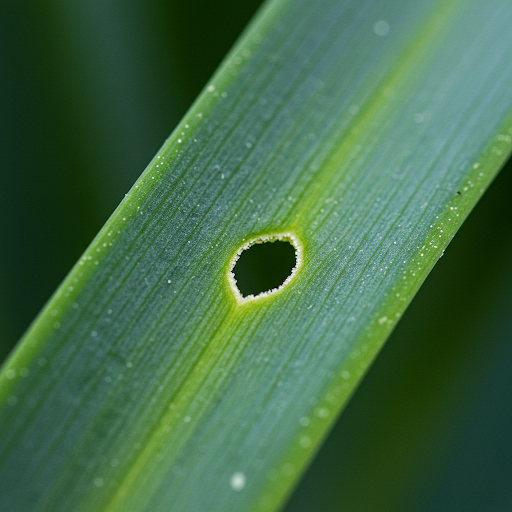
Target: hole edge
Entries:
(261, 239)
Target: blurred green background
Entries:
(89, 92)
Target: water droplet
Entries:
(304, 421)
(322, 412)
(237, 481)
(305, 441)
(381, 28)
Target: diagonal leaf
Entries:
(364, 133)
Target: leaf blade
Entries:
(159, 295)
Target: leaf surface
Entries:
(365, 132)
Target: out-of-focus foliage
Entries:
(89, 92)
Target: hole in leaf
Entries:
(264, 265)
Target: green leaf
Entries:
(364, 134)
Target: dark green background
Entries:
(89, 92)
